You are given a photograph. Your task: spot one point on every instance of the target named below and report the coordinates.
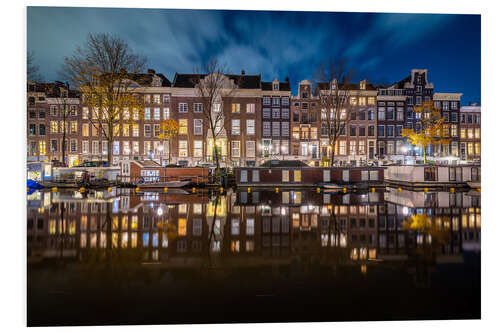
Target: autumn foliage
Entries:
(431, 129)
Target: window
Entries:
(266, 113)
(147, 114)
(342, 147)
(156, 99)
(183, 107)
(352, 130)
(266, 100)
(85, 147)
(362, 147)
(116, 147)
(400, 114)
(371, 115)
(285, 101)
(446, 105)
(381, 114)
(399, 130)
(296, 132)
(285, 176)
(166, 113)
(276, 128)
(305, 106)
(371, 130)
(147, 99)
(135, 130)
(251, 108)
(41, 129)
(42, 148)
(198, 126)
(104, 146)
(418, 100)
(166, 99)
(371, 100)
(454, 130)
(297, 176)
(266, 128)
(198, 148)
(235, 148)
(390, 147)
(156, 130)
(477, 133)
(235, 127)
(295, 116)
(276, 113)
(32, 129)
(183, 148)
(156, 114)
(235, 108)
(276, 86)
(276, 101)
(135, 147)
(126, 148)
(314, 133)
(53, 146)
(147, 147)
(32, 114)
(251, 126)
(390, 113)
(95, 147)
(126, 130)
(352, 147)
(362, 131)
(285, 129)
(183, 126)
(362, 101)
(390, 130)
(454, 105)
(216, 107)
(353, 101)
(430, 173)
(250, 149)
(147, 130)
(477, 147)
(381, 130)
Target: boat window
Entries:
(430, 174)
(285, 176)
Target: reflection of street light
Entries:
(404, 149)
(160, 148)
(160, 212)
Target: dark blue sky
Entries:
(381, 47)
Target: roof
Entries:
(51, 89)
(447, 96)
(346, 86)
(146, 79)
(146, 163)
(284, 86)
(470, 108)
(243, 81)
(283, 164)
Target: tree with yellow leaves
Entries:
(430, 130)
(424, 224)
(169, 128)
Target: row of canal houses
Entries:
(267, 122)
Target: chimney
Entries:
(151, 71)
(287, 79)
(242, 72)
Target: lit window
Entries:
(183, 126)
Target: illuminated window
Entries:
(43, 148)
(235, 108)
(182, 227)
(183, 151)
(297, 175)
(250, 108)
(183, 126)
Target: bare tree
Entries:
(32, 70)
(213, 87)
(103, 70)
(331, 83)
(63, 99)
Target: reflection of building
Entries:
(248, 229)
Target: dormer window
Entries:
(156, 81)
(362, 85)
(276, 86)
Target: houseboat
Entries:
(296, 174)
(149, 174)
(82, 176)
(430, 176)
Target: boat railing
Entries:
(161, 179)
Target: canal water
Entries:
(122, 257)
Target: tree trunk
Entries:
(63, 148)
(169, 149)
(425, 156)
(110, 152)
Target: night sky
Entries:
(380, 47)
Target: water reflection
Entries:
(241, 229)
